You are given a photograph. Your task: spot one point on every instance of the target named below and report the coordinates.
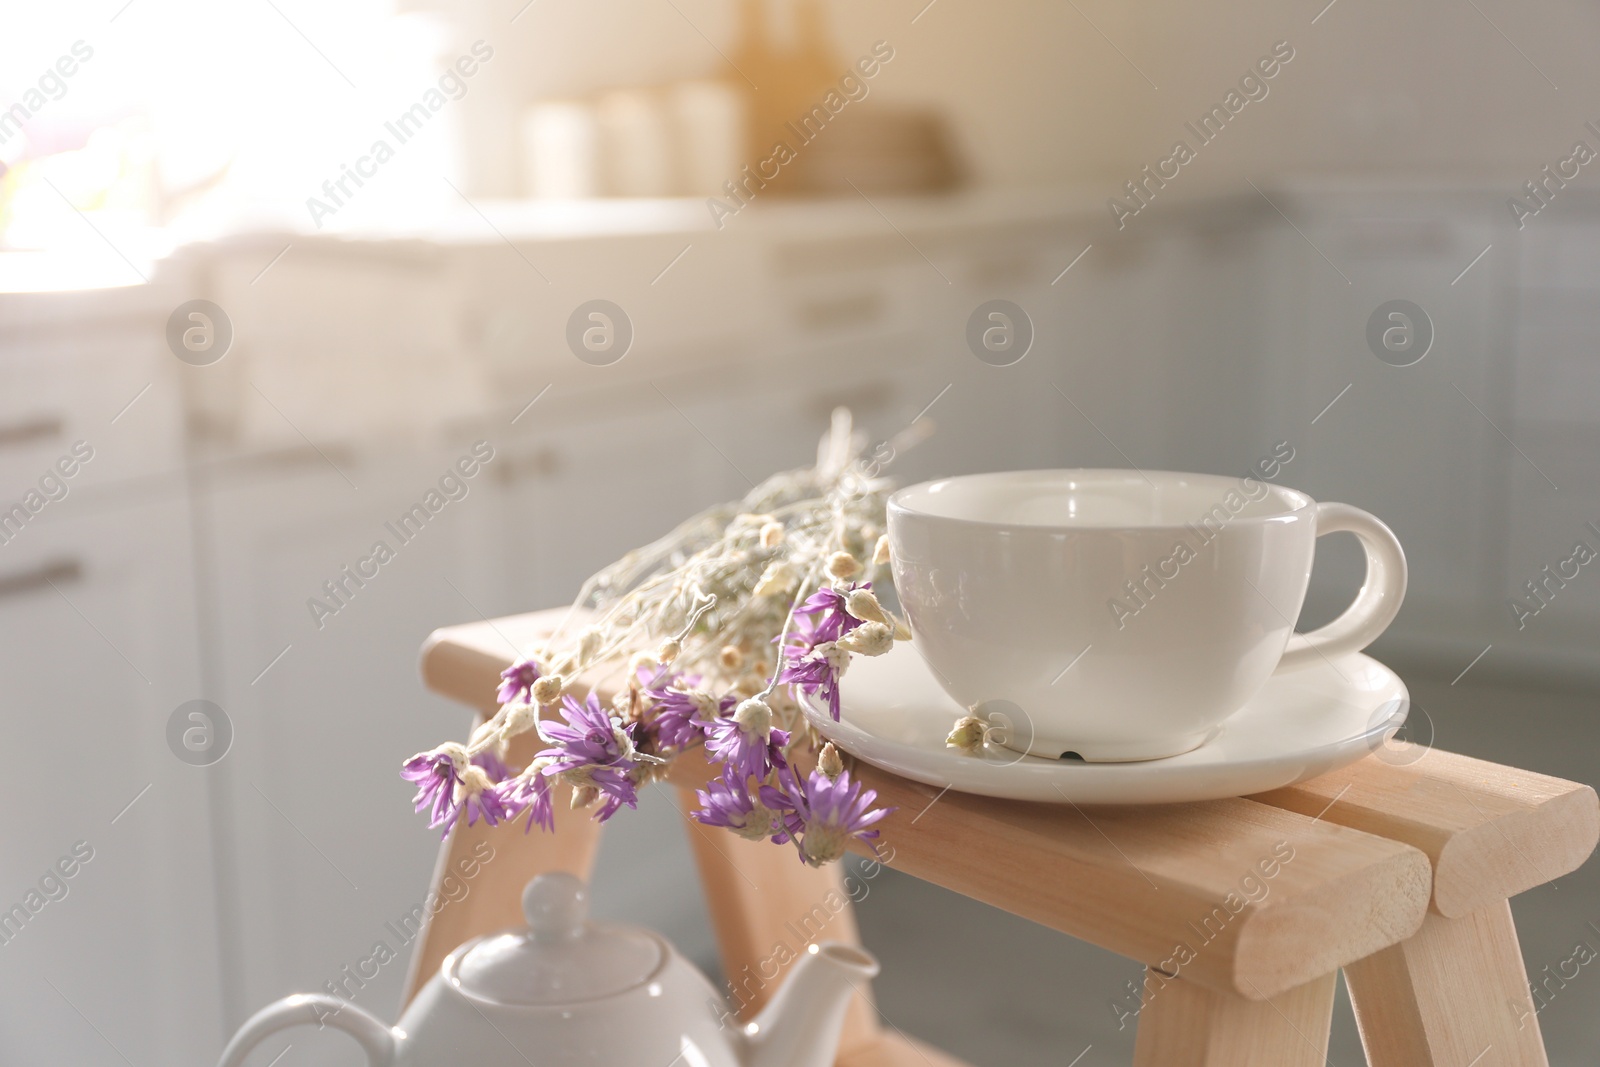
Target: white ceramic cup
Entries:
(1121, 615)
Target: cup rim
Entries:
(1293, 502)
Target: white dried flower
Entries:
(761, 823)
(869, 639)
(474, 780)
(456, 752)
(864, 606)
(547, 690)
(520, 718)
(843, 566)
(822, 845)
(880, 552)
(481, 732)
(836, 656)
(717, 594)
(829, 763)
(968, 735)
(705, 705)
(779, 578)
(902, 632)
(754, 717)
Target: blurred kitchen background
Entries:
(542, 154)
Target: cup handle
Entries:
(1375, 606)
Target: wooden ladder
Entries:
(1399, 872)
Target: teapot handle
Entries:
(318, 1010)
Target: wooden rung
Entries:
(1182, 1025)
(1491, 832)
(1150, 883)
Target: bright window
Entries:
(202, 117)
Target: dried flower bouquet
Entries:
(713, 632)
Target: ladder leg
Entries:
(1184, 1025)
(1454, 993)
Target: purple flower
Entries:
(495, 767)
(436, 778)
(654, 676)
(769, 814)
(823, 616)
(617, 789)
(812, 659)
(833, 813)
(746, 743)
(588, 736)
(591, 751)
(682, 712)
(816, 669)
(517, 682)
(529, 791)
(477, 796)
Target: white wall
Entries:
(1048, 92)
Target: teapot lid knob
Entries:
(556, 906)
(559, 959)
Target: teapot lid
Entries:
(561, 958)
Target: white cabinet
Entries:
(1417, 445)
(100, 649)
(329, 855)
(590, 476)
(73, 370)
(1113, 352)
(326, 706)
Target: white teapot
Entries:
(566, 992)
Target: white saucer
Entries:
(1302, 724)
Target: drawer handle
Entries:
(54, 572)
(540, 463)
(29, 430)
(841, 312)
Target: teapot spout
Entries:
(801, 1025)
